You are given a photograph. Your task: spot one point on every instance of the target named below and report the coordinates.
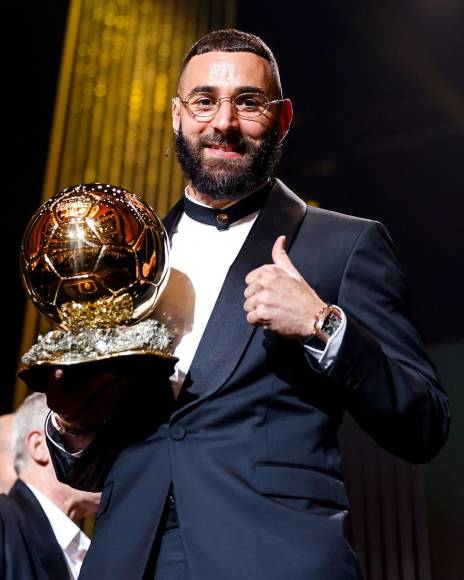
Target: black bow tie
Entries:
(223, 218)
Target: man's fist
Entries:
(279, 299)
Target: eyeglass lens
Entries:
(247, 105)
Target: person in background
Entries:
(39, 535)
(7, 472)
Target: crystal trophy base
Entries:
(141, 350)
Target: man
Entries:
(239, 476)
(39, 539)
(7, 473)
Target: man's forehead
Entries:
(227, 70)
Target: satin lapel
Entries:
(228, 332)
(172, 217)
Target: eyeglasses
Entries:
(204, 106)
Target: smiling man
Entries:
(284, 317)
(230, 140)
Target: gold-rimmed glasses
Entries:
(204, 106)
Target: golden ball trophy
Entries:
(94, 261)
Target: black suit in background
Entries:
(28, 547)
(251, 447)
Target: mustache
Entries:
(236, 141)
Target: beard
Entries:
(228, 178)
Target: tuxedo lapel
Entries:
(39, 533)
(228, 332)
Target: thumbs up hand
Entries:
(279, 299)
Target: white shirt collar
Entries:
(68, 535)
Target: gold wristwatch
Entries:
(326, 322)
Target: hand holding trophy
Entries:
(94, 261)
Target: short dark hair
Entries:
(231, 40)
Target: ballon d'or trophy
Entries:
(94, 261)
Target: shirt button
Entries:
(177, 432)
(222, 219)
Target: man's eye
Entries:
(202, 102)
(248, 102)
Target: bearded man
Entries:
(284, 317)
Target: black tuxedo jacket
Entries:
(28, 547)
(251, 446)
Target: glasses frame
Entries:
(221, 100)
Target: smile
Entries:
(221, 151)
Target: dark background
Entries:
(31, 44)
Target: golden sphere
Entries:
(94, 255)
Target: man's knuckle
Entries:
(261, 310)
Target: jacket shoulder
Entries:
(334, 219)
(340, 231)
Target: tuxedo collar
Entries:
(225, 217)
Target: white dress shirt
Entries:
(72, 540)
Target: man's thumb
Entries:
(280, 256)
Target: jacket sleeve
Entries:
(142, 410)
(394, 392)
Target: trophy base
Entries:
(145, 366)
(129, 351)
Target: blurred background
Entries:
(378, 94)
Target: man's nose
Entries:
(226, 117)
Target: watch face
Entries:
(331, 323)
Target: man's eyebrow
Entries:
(237, 91)
(202, 89)
(250, 89)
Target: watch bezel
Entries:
(321, 330)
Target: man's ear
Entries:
(37, 447)
(175, 114)
(285, 118)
